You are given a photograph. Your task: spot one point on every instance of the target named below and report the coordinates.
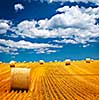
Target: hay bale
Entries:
(41, 62)
(24, 61)
(30, 62)
(67, 62)
(92, 60)
(20, 78)
(0, 62)
(12, 63)
(55, 61)
(88, 60)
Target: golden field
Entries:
(54, 81)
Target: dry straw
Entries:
(12, 63)
(41, 62)
(0, 62)
(55, 61)
(20, 78)
(88, 60)
(67, 62)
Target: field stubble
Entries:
(54, 81)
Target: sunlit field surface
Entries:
(53, 81)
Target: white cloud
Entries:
(89, 11)
(28, 29)
(14, 53)
(3, 49)
(26, 25)
(8, 50)
(66, 41)
(77, 22)
(74, 22)
(62, 1)
(51, 51)
(73, 17)
(43, 23)
(45, 50)
(86, 45)
(85, 1)
(4, 26)
(73, 25)
(18, 7)
(26, 44)
(22, 44)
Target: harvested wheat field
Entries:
(53, 81)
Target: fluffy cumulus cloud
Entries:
(18, 7)
(74, 25)
(74, 17)
(29, 29)
(13, 46)
(4, 26)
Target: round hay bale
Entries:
(55, 61)
(24, 61)
(92, 60)
(30, 62)
(67, 62)
(88, 60)
(20, 78)
(41, 62)
(12, 63)
(0, 62)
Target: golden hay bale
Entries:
(41, 62)
(24, 61)
(12, 63)
(30, 62)
(92, 60)
(55, 61)
(67, 62)
(0, 62)
(88, 60)
(20, 78)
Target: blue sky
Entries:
(31, 30)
